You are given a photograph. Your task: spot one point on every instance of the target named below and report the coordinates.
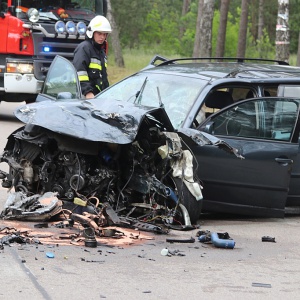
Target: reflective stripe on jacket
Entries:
(90, 62)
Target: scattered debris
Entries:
(265, 285)
(219, 240)
(26, 232)
(92, 261)
(90, 239)
(50, 254)
(190, 240)
(268, 239)
(112, 232)
(41, 225)
(168, 252)
(65, 223)
(176, 253)
(18, 206)
(84, 223)
(12, 238)
(164, 251)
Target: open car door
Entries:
(61, 82)
(265, 131)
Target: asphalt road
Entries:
(137, 270)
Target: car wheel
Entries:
(189, 202)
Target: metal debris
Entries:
(265, 285)
(172, 240)
(18, 206)
(268, 239)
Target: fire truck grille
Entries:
(50, 47)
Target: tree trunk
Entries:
(260, 26)
(204, 31)
(207, 21)
(260, 19)
(298, 53)
(220, 48)
(185, 9)
(196, 51)
(282, 31)
(115, 37)
(242, 39)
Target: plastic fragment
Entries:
(257, 284)
(164, 252)
(50, 254)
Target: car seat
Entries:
(217, 100)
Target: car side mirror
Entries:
(208, 127)
(64, 95)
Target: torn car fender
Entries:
(181, 162)
(183, 168)
(202, 138)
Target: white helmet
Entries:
(98, 23)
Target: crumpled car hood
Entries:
(103, 120)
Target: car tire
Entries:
(193, 206)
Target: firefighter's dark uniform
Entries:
(90, 61)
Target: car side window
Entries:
(272, 118)
(221, 97)
(61, 78)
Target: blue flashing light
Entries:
(46, 49)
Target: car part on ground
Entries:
(219, 240)
(33, 208)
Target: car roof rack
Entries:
(221, 59)
(157, 58)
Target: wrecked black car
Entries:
(252, 104)
(104, 152)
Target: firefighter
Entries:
(90, 58)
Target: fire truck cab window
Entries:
(3, 6)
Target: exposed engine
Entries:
(131, 177)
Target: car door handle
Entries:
(284, 161)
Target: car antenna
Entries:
(159, 97)
(138, 95)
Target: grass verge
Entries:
(134, 59)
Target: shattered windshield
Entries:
(56, 9)
(175, 93)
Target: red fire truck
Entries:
(31, 34)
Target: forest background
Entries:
(145, 28)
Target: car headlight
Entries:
(33, 15)
(18, 67)
(71, 27)
(60, 27)
(81, 28)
